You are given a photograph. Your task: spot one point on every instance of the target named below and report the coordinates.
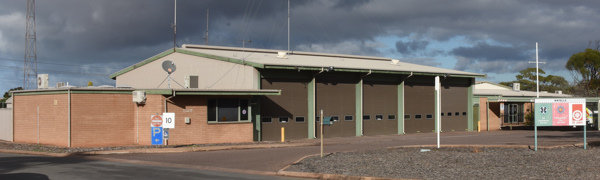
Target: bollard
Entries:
(282, 134)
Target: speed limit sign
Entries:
(168, 120)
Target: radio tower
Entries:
(30, 67)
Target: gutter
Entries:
(69, 116)
(172, 96)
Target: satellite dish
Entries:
(169, 66)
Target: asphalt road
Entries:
(27, 167)
(274, 159)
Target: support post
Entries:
(437, 109)
(321, 120)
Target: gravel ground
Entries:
(54, 149)
(460, 163)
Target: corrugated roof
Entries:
(269, 58)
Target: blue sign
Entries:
(157, 135)
(327, 121)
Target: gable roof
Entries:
(484, 88)
(270, 59)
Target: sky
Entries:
(83, 40)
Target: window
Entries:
(464, 113)
(442, 114)
(391, 116)
(429, 116)
(228, 110)
(335, 118)
(366, 117)
(212, 110)
(284, 119)
(267, 119)
(299, 119)
(449, 113)
(457, 114)
(348, 118)
(418, 116)
(379, 117)
(318, 119)
(407, 116)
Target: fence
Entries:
(6, 124)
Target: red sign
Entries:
(577, 114)
(156, 121)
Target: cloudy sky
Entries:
(84, 40)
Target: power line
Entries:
(59, 64)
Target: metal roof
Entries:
(304, 60)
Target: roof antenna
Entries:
(206, 34)
(288, 26)
(174, 26)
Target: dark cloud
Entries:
(410, 47)
(115, 34)
(484, 51)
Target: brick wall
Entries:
(53, 119)
(199, 131)
(154, 106)
(102, 120)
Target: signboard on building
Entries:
(168, 120)
(560, 112)
(157, 135)
(156, 121)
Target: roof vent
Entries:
(282, 55)
(395, 61)
(516, 86)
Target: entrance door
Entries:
(513, 111)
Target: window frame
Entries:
(287, 117)
(239, 111)
(296, 119)
(394, 118)
(351, 117)
(367, 119)
(379, 119)
(335, 118)
(266, 117)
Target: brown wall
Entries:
(336, 96)
(419, 99)
(53, 119)
(102, 120)
(292, 102)
(455, 99)
(380, 98)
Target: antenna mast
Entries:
(206, 35)
(30, 67)
(175, 27)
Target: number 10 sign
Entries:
(168, 120)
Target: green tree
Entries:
(527, 78)
(7, 95)
(90, 83)
(585, 69)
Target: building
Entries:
(242, 95)
(502, 106)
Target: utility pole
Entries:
(288, 26)
(30, 66)
(537, 70)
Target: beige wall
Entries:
(213, 74)
(493, 112)
(6, 124)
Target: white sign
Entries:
(168, 120)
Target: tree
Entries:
(585, 69)
(7, 95)
(90, 83)
(550, 83)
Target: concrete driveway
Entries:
(270, 160)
